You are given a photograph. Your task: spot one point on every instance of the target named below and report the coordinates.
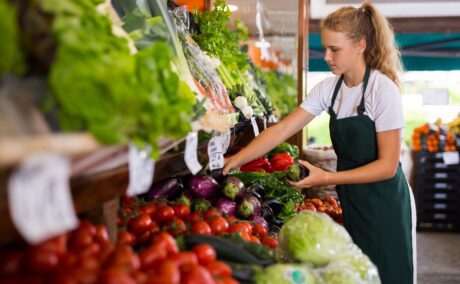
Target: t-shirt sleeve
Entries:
(388, 108)
(313, 103)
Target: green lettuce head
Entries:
(287, 274)
(314, 238)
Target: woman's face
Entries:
(340, 53)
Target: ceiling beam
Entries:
(414, 25)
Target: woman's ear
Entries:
(362, 44)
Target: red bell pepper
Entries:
(257, 165)
(281, 162)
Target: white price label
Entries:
(39, 198)
(191, 159)
(226, 141)
(450, 158)
(141, 170)
(216, 153)
(254, 126)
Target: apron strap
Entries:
(334, 96)
(361, 107)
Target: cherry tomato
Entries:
(218, 225)
(167, 272)
(164, 214)
(202, 228)
(259, 230)
(270, 242)
(154, 228)
(176, 227)
(152, 255)
(197, 274)
(141, 224)
(184, 258)
(194, 217)
(247, 226)
(211, 213)
(181, 210)
(144, 238)
(231, 219)
(42, 261)
(236, 228)
(205, 253)
(219, 269)
(123, 257)
(85, 225)
(254, 239)
(125, 237)
(80, 239)
(149, 209)
(167, 241)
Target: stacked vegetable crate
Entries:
(437, 193)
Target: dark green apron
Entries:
(377, 215)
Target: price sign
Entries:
(216, 152)
(450, 158)
(141, 170)
(39, 198)
(191, 159)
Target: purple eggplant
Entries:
(233, 188)
(249, 206)
(256, 219)
(164, 189)
(226, 205)
(203, 187)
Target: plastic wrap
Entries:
(287, 274)
(314, 238)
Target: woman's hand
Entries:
(230, 163)
(316, 176)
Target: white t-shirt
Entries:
(382, 100)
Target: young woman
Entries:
(366, 121)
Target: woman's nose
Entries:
(327, 56)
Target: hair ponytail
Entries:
(366, 22)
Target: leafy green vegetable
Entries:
(340, 274)
(12, 61)
(287, 274)
(359, 263)
(100, 86)
(314, 238)
(285, 147)
(216, 38)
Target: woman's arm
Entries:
(269, 139)
(389, 147)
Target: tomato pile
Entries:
(327, 205)
(86, 255)
(140, 222)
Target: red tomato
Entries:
(331, 200)
(194, 217)
(149, 209)
(42, 261)
(205, 253)
(317, 202)
(247, 225)
(152, 255)
(254, 239)
(85, 225)
(176, 227)
(168, 272)
(141, 224)
(144, 238)
(202, 228)
(80, 239)
(197, 274)
(181, 210)
(211, 213)
(154, 228)
(164, 214)
(92, 250)
(115, 276)
(102, 236)
(218, 225)
(270, 242)
(259, 230)
(168, 242)
(125, 237)
(232, 219)
(236, 228)
(219, 269)
(123, 257)
(184, 258)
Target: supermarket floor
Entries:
(438, 258)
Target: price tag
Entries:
(39, 198)
(216, 153)
(191, 159)
(226, 141)
(141, 169)
(254, 126)
(265, 123)
(450, 158)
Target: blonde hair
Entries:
(365, 22)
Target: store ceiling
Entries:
(427, 43)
